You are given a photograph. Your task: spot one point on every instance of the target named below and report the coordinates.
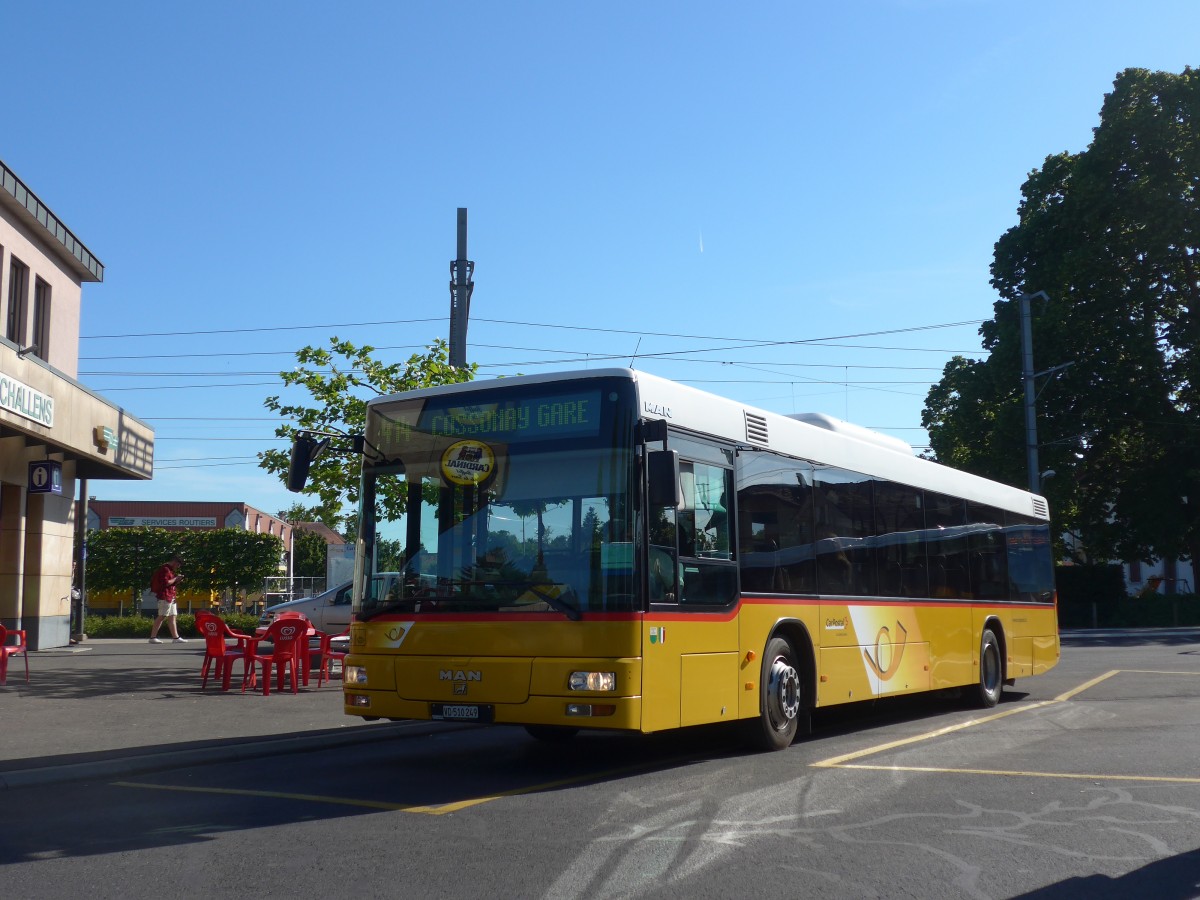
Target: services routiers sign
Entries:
(23, 400)
(162, 522)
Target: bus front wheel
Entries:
(991, 670)
(779, 697)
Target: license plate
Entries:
(461, 712)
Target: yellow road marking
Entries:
(443, 808)
(434, 810)
(880, 748)
(1083, 687)
(275, 795)
(842, 762)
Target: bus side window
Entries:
(705, 549)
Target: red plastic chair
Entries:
(303, 648)
(7, 650)
(286, 635)
(328, 654)
(217, 650)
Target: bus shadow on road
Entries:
(427, 772)
(836, 721)
(1172, 878)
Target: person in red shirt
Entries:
(162, 584)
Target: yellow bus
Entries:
(607, 549)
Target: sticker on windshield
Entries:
(468, 462)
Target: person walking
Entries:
(162, 584)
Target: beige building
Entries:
(55, 434)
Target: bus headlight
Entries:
(354, 675)
(592, 681)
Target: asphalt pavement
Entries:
(106, 708)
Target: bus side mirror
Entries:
(305, 450)
(662, 470)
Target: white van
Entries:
(328, 611)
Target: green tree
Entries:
(310, 554)
(1110, 236)
(340, 380)
(389, 555)
(123, 559)
(230, 559)
(329, 516)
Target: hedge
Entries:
(139, 626)
(1095, 597)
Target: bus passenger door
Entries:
(690, 639)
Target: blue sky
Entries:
(641, 178)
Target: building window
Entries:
(41, 318)
(18, 288)
(1135, 572)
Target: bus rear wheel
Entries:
(991, 670)
(779, 698)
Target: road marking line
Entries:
(1170, 779)
(430, 810)
(275, 795)
(842, 762)
(949, 729)
(443, 808)
(880, 748)
(1083, 687)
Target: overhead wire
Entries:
(674, 356)
(751, 342)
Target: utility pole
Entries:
(1031, 444)
(462, 283)
(79, 582)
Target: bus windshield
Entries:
(499, 502)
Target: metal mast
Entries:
(462, 283)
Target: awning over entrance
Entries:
(46, 414)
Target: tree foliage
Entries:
(230, 558)
(123, 559)
(329, 516)
(310, 554)
(340, 380)
(1111, 235)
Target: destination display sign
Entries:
(518, 419)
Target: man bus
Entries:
(612, 550)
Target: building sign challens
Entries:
(23, 400)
